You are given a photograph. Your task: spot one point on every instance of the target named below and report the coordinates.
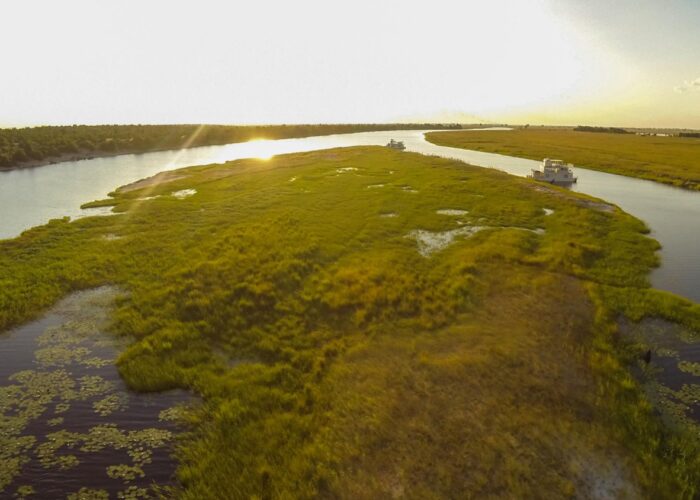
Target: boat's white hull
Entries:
(553, 179)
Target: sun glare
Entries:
(261, 149)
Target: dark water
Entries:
(67, 420)
(29, 197)
(672, 378)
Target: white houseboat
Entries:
(554, 171)
(395, 145)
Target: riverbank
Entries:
(365, 323)
(40, 146)
(669, 160)
(79, 156)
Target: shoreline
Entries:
(91, 156)
(536, 148)
(238, 134)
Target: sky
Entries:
(557, 62)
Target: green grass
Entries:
(334, 360)
(671, 160)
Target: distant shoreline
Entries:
(666, 160)
(92, 155)
(119, 140)
(87, 155)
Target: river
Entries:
(32, 196)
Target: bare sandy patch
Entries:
(451, 211)
(183, 193)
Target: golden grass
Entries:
(671, 160)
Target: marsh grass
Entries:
(491, 368)
(671, 160)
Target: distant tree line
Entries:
(689, 134)
(609, 130)
(20, 146)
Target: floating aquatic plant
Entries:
(109, 404)
(176, 413)
(102, 436)
(133, 493)
(59, 355)
(664, 352)
(140, 456)
(89, 494)
(10, 467)
(47, 451)
(53, 422)
(94, 385)
(62, 407)
(96, 362)
(125, 472)
(689, 394)
(689, 367)
(152, 437)
(25, 491)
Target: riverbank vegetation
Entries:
(671, 160)
(605, 130)
(365, 323)
(42, 145)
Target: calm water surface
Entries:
(67, 420)
(29, 197)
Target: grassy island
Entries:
(671, 160)
(365, 323)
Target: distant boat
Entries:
(554, 172)
(395, 145)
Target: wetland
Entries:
(309, 321)
(70, 426)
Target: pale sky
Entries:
(622, 62)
